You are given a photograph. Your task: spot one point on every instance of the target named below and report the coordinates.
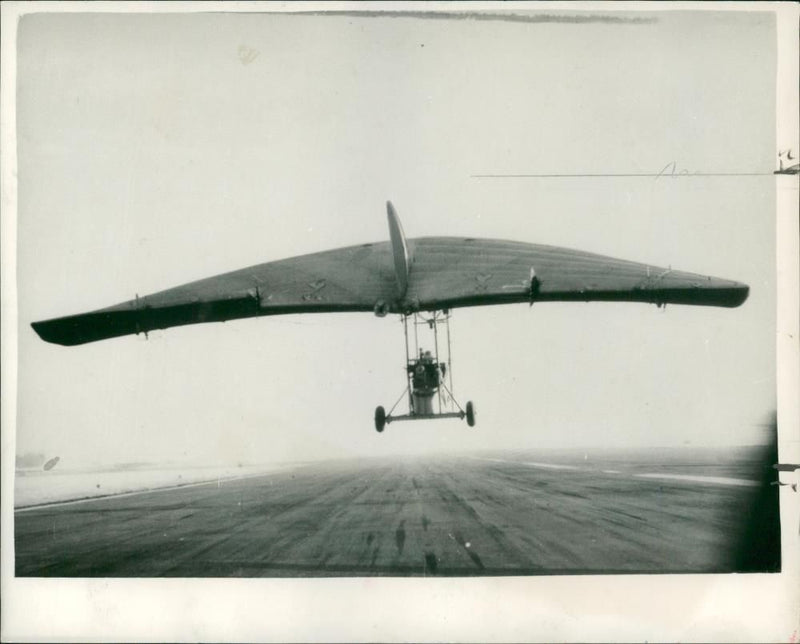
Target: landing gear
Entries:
(380, 419)
(470, 414)
(429, 386)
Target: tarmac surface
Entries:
(445, 516)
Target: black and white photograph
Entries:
(454, 293)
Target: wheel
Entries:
(470, 414)
(380, 418)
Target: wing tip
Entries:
(83, 328)
(739, 294)
(730, 295)
(57, 331)
(45, 330)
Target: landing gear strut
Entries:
(429, 384)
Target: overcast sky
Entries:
(158, 149)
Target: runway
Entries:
(434, 516)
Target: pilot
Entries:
(418, 375)
(417, 371)
(431, 370)
(424, 372)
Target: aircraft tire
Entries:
(380, 418)
(470, 414)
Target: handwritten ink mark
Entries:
(791, 168)
(671, 170)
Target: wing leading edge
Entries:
(400, 277)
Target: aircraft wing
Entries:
(346, 279)
(454, 272)
(435, 273)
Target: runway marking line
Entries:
(551, 466)
(103, 497)
(719, 480)
(713, 480)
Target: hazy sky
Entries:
(158, 149)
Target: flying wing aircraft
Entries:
(421, 280)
